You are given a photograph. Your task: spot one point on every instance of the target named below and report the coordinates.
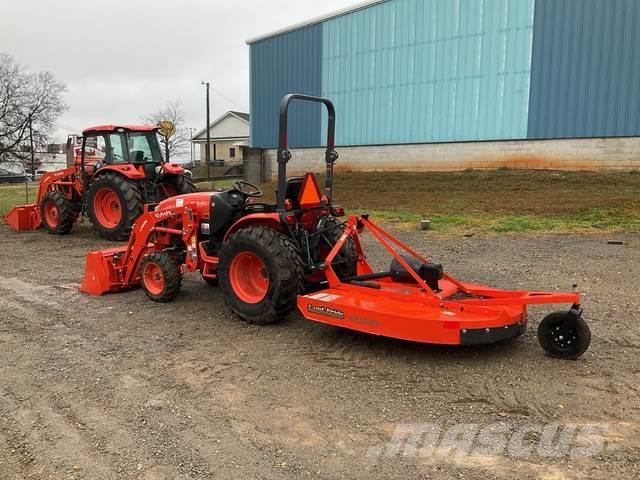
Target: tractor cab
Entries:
(115, 145)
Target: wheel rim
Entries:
(107, 208)
(51, 214)
(249, 277)
(562, 339)
(153, 278)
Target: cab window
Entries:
(116, 140)
(143, 147)
(95, 149)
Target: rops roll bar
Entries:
(284, 155)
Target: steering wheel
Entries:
(254, 192)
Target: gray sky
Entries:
(122, 59)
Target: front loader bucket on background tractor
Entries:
(101, 274)
(23, 218)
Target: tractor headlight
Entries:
(205, 229)
(158, 169)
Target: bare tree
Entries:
(173, 136)
(27, 101)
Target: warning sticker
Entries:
(325, 297)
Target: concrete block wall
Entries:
(562, 154)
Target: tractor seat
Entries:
(136, 156)
(294, 185)
(224, 208)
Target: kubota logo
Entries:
(164, 214)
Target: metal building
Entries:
(423, 71)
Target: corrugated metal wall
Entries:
(585, 79)
(410, 71)
(413, 71)
(287, 63)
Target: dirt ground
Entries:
(120, 387)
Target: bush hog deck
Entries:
(268, 259)
(112, 172)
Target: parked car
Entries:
(11, 177)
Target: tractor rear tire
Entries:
(114, 204)
(348, 252)
(160, 276)
(261, 274)
(173, 185)
(57, 213)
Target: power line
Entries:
(235, 104)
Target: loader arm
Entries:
(117, 269)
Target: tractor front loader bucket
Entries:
(103, 272)
(23, 218)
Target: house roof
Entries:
(316, 20)
(245, 117)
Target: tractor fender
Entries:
(128, 171)
(172, 169)
(271, 220)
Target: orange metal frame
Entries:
(413, 311)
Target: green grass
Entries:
(590, 221)
(484, 202)
(12, 195)
(495, 201)
(222, 184)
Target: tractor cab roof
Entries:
(113, 128)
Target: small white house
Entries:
(228, 134)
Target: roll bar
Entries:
(284, 155)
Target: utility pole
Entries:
(206, 152)
(192, 157)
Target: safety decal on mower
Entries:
(325, 297)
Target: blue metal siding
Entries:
(585, 78)
(408, 71)
(288, 63)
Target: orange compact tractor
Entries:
(113, 171)
(268, 259)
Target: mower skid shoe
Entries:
(100, 275)
(23, 218)
(366, 310)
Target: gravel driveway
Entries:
(121, 387)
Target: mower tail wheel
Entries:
(57, 213)
(160, 276)
(260, 274)
(563, 336)
(114, 203)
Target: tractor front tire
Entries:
(160, 276)
(114, 203)
(261, 274)
(57, 213)
(173, 185)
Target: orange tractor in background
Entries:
(112, 172)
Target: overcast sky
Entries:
(122, 59)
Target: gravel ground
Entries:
(120, 387)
